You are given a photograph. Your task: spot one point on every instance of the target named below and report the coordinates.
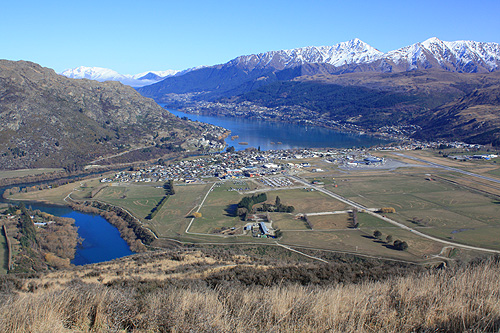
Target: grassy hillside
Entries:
(224, 292)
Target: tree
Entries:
(230, 149)
(241, 211)
(197, 215)
(266, 207)
(388, 239)
(400, 245)
(377, 234)
(354, 223)
(277, 203)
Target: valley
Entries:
(335, 195)
(333, 188)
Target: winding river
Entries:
(101, 240)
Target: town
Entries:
(254, 163)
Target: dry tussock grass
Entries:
(464, 299)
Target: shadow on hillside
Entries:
(231, 210)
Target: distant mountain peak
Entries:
(105, 74)
(340, 54)
(432, 40)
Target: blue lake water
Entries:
(102, 241)
(267, 134)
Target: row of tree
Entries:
(249, 202)
(169, 190)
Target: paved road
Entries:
(400, 225)
(495, 180)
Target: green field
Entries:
(366, 220)
(26, 172)
(439, 207)
(138, 199)
(78, 191)
(218, 210)
(330, 222)
(361, 241)
(172, 218)
(284, 221)
(305, 201)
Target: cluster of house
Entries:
(221, 165)
(254, 163)
(248, 163)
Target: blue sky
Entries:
(137, 36)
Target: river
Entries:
(101, 240)
(278, 135)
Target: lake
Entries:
(267, 134)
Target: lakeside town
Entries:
(289, 113)
(252, 162)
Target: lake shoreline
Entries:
(302, 122)
(260, 133)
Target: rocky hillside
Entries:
(49, 120)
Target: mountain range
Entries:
(459, 56)
(428, 85)
(246, 73)
(133, 80)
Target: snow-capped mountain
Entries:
(105, 74)
(249, 72)
(458, 56)
(353, 51)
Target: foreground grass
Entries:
(453, 300)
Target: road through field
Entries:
(400, 225)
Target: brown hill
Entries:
(474, 117)
(50, 120)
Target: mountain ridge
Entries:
(245, 73)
